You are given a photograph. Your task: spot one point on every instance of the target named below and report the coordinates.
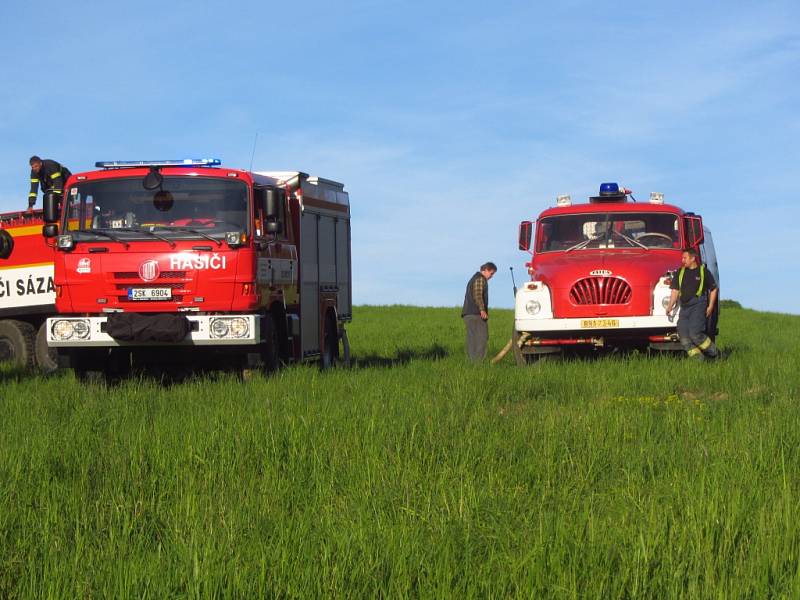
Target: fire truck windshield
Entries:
(567, 233)
(183, 207)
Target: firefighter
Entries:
(475, 312)
(696, 290)
(50, 174)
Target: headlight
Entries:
(239, 327)
(235, 238)
(533, 307)
(80, 329)
(665, 302)
(65, 242)
(63, 330)
(219, 328)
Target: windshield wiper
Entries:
(581, 245)
(150, 233)
(188, 230)
(630, 240)
(103, 233)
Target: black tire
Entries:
(46, 357)
(519, 357)
(270, 352)
(17, 342)
(6, 244)
(330, 348)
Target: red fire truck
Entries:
(601, 273)
(27, 293)
(187, 261)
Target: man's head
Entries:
(689, 258)
(36, 163)
(488, 269)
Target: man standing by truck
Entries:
(476, 311)
(50, 174)
(695, 288)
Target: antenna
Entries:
(514, 283)
(253, 153)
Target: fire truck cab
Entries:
(189, 261)
(601, 273)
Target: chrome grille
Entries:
(600, 290)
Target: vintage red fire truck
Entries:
(27, 293)
(187, 261)
(601, 273)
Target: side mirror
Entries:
(52, 205)
(693, 227)
(274, 200)
(50, 230)
(153, 179)
(525, 234)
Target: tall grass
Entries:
(414, 474)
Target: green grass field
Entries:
(414, 474)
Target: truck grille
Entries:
(600, 290)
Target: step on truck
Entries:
(27, 292)
(600, 274)
(189, 262)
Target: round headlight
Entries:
(80, 329)
(63, 330)
(219, 328)
(665, 302)
(533, 307)
(239, 327)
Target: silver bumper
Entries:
(85, 332)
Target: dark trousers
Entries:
(692, 329)
(477, 336)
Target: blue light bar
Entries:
(609, 189)
(186, 162)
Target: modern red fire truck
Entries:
(187, 261)
(601, 273)
(27, 293)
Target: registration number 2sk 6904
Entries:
(599, 323)
(149, 293)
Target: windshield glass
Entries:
(608, 230)
(209, 206)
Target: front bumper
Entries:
(606, 325)
(90, 332)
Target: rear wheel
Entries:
(17, 342)
(46, 357)
(270, 353)
(330, 347)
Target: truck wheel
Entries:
(6, 244)
(270, 353)
(46, 357)
(17, 342)
(330, 349)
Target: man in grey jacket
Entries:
(476, 311)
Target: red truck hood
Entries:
(93, 281)
(641, 269)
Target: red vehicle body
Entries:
(202, 264)
(27, 292)
(601, 273)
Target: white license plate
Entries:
(599, 323)
(149, 293)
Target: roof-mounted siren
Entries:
(656, 198)
(181, 162)
(611, 192)
(563, 201)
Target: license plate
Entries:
(599, 323)
(149, 293)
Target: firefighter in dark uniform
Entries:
(48, 174)
(695, 288)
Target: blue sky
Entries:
(449, 122)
